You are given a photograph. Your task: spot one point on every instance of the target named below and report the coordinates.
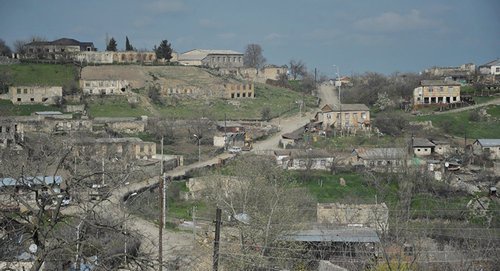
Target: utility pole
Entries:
(164, 180)
(194, 225)
(225, 132)
(160, 228)
(218, 223)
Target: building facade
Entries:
(491, 68)
(57, 49)
(436, 92)
(344, 116)
(35, 94)
(239, 90)
(104, 87)
(212, 58)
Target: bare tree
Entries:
(297, 69)
(253, 57)
(258, 196)
(34, 200)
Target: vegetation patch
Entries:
(114, 107)
(9, 109)
(459, 123)
(40, 74)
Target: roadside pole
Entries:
(218, 223)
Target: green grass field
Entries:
(326, 188)
(458, 124)
(40, 74)
(114, 107)
(9, 109)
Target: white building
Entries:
(106, 87)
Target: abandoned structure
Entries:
(488, 147)
(236, 90)
(35, 94)
(212, 58)
(422, 146)
(436, 92)
(304, 159)
(57, 49)
(375, 216)
(490, 68)
(108, 57)
(380, 158)
(351, 117)
(104, 87)
(129, 148)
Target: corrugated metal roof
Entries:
(37, 180)
(381, 153)
(489, 142)
(345, 107)
(422, 142)
(339, 235)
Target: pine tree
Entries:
(164, 51)
(111, 45)
(128, 46)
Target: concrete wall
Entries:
(35, 94)
(145, 150)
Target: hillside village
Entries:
(105, 155)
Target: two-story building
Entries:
(490, 68)
(120, 148)
(212, 58)
(436, 92)
(344, 116)
(35, 94)
(57, 49)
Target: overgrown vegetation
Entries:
(40, 74)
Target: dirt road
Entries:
(328, 94)
(492, 102)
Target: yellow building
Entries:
(436, 92)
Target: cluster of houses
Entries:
(95, 83)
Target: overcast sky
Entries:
(356, 35)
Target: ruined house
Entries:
(375, 216)
(35, 94)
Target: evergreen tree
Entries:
(128, 46)
(111, 45)
(164, 51)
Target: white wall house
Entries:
(107, 87)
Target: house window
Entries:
(237, 95)
(250, 94)
(244, 94)
(18, 91)
(87, 84)
(497, 69)
(32, 99)
(232, 95)
(1, 129)
(18, 99)
(141, 148)
(25, 91)
(441, 89)
(430, 89)
(418, 149)
(363, 115)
